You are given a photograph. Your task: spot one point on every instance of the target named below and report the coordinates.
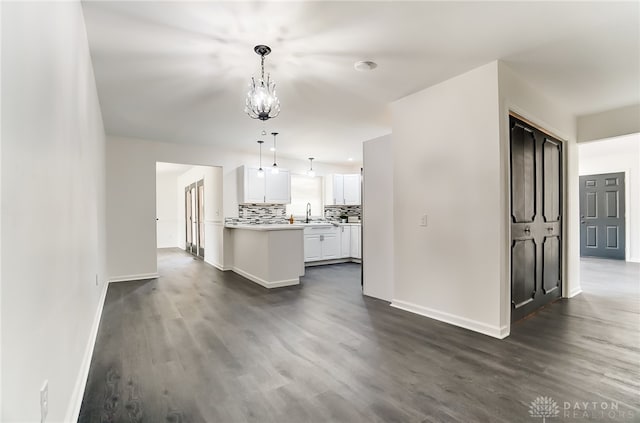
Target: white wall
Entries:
(213, 220)
(377, 215)
(0, 210)
(53, 203)
(612, 123)
(131, 182)
(447, 164)
(619, 155)
(166, 209)
(532, 103)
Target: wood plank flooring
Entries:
(200, 345)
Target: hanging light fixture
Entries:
(311, 172)
(274, 168)
(260, 170)
(262, 102)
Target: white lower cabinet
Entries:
(312, 247)
(321, 243)
(330, 246)
(355, 242)
(331, 242)
(345, 241)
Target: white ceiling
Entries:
(178, 72)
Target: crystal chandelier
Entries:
(262, 102)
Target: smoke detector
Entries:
(365, 65)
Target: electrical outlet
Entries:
(423, 220)
(44, 401)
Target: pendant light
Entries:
(311, 172)
(262, 102)
(260, 170)
(274, 169)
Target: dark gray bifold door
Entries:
(602, 216)
(536, 219)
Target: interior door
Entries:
(602, 211)
(536, 218)
(189, 241)
(200, 217)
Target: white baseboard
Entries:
(574, 292)
(266, 284)
(220, 267)
(463, 322)
(331, 261)
(73, 410)
(633, 260)
(127, 278)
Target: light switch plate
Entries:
(423, 220)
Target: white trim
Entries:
(331, 261)
(575, 292)
(633, 260)
(127, 278)
(463, 322)
(220, 267)
(266, 284)
(73, 409)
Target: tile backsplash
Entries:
(277, 213)
(334, 212)
(260, 214)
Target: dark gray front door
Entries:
(602, 215)
(536, 219)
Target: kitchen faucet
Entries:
(308, 211)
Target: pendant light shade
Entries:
(260, 170)
(262, 102)
(311, 172)
(274, 169)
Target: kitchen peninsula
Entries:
(270, 255)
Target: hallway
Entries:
(200, 345)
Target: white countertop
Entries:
(285, 226)
(275, 227)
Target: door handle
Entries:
(583, 222)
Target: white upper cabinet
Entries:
(254, 187)
(270, 189)
(338, 190)
(351, 189)
(342, 189)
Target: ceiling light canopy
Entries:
(365, 65)
(262, 102)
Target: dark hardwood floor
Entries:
(200, 345)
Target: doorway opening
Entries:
(610, 198)
(189, 210)
(194, 218)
